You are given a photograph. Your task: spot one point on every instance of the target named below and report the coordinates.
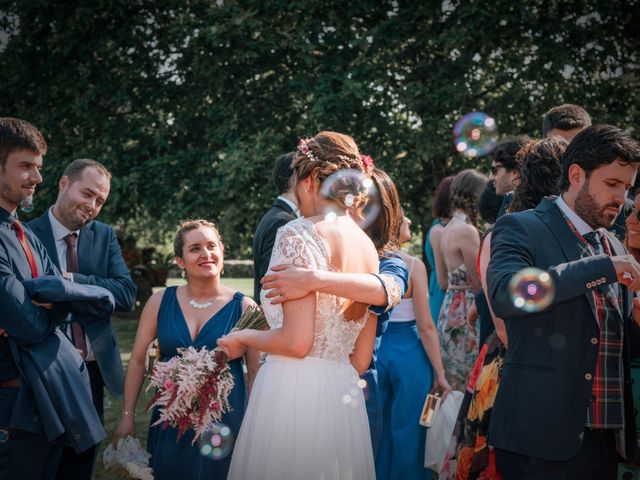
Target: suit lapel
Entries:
(85, 246)
(551, 215)
(47, 239)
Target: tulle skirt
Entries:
(306, 419)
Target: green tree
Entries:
(189, 102)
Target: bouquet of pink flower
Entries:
(194, 386)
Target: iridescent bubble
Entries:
(531, 289)
(351, 189)
(4, 435)
(26, 205)
(216, 442)
(475, 134)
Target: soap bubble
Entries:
(531, 289)
(350, 188)
(475, 134)
(216, 442)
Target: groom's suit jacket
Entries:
(278, 215)
(100, 263)
(542, 401)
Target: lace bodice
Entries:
(298, 243)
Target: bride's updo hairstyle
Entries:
(326, 153)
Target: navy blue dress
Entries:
(170, 459)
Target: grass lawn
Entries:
(126, 332)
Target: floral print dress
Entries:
(458, 343)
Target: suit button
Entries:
(588, 376)
(594, 341)
(589, 285)
(603, 279)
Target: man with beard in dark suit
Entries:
(283, 210)
(87, 252)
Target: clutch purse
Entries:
(429, 409)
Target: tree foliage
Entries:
(189, 102)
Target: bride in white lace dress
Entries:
(306, 416)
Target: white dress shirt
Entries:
(582, 226)
(59, 233)
(293, 206)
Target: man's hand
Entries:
(627, 271)
(48, 306)
(287, 282)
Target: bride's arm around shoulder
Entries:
(295, 337)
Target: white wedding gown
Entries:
(306, 418)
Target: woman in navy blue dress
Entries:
(195, 314)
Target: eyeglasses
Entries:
(495, 167)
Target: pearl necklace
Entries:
(461, 216)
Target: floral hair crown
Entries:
(303, 147)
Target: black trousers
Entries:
(596, 460)
(79, 466)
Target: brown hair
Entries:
(74, 169)
(441, 207)
(385, 230)
(541, 168)
(189, 225)
(16, 134)
(466, 189)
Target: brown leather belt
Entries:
(13, 383)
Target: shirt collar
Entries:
(293, 206)
(6, 217)
(582, 226)
(58, 229)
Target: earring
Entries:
(222, 271)
(183, 274)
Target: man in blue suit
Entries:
(31, 438)
(564, 408)
(87, 252)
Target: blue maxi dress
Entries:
(436, 294)
(173, 459)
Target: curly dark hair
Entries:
(441, 207)
(541, 169)
(466, 189)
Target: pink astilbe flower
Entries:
(192, 390)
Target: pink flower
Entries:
(367, 160)
(303, 147)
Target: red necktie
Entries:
(22, 238)
(77, 330)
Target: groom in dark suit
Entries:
(564, 405)
(283, 210)
(87, 252)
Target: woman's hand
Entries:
(232, 344)
(125, 427)
(441, 386)
(287, 282)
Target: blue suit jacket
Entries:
(541, 406)
(100, 263)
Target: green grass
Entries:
(126, 332)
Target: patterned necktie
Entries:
(22, 238)
(594, 240)
(77, 330)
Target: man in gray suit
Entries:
(87, 252)
(283, 210)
